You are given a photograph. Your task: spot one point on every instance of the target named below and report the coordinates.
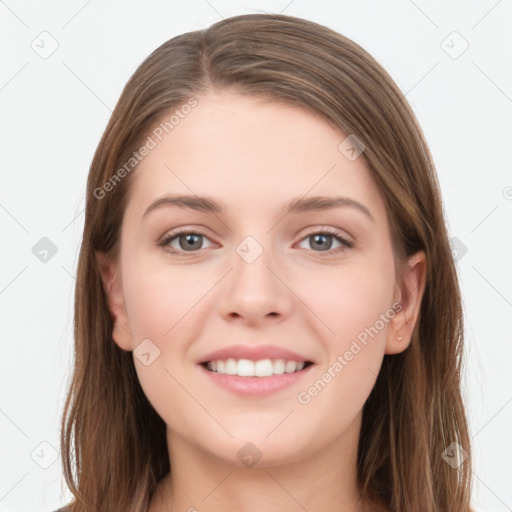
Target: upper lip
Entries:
(253, 353)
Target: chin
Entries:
(262, 447)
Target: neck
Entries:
(198, 481)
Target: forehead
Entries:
(249, 152)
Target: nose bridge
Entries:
(253, 290)
(251, 267)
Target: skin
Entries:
(254, 156)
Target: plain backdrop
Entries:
(63, 66)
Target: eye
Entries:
(181, 242)
(186, 241)
(323, 240)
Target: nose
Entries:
(255, 293)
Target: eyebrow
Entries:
(297, 205)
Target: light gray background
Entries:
(54, 110)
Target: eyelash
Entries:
(325, 231)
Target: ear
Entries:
(112, 284)
(409, 296)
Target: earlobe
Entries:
(112, 286)
(410, 296)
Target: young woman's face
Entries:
(253, 283)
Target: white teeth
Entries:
(278, 366)
(231, 367)
(263, 368)
(290, 366)
(248, 368)
(245, 368)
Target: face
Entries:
(251, 286)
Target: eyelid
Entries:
(170, 235)
(329, 230)
(346, 242)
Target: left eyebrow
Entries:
(297, 205)
(319, 203)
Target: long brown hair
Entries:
(113, 443)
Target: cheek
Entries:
(163, 305)
(160, 297)
(349, 298)
(161, 309)
(356, 304)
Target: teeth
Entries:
(248, 368)
(231, 367)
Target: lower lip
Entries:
(256, 386)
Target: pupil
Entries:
(317, 237)
(190, 239)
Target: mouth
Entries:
(260, 368)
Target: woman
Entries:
(224, 358)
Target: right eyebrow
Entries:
(193, 202)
